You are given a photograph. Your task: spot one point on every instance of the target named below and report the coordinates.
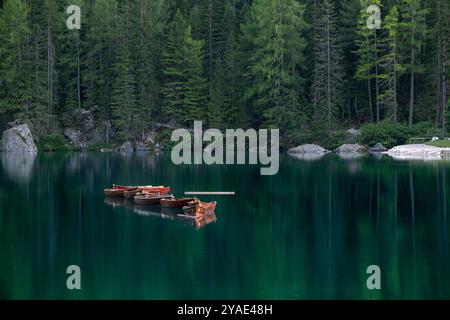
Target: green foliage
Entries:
(386, 133)
(305, 67)
(440, 143)
(275, 29)
(390, 134)
(54, 142)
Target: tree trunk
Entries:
(369, 94)
(411, 85)
(377, 86)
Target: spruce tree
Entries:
(14, 58)
(123, 97)
(390, 64)
(368, 56)
(327, 82)
(413, 31)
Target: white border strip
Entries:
(220, 193)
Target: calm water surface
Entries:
(309, 232)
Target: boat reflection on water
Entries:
(114, 201)
(202, 221)
(163, 213)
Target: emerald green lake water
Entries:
(309, 232)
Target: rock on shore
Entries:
(308, 149)
(418, 152)
(18, 139)
(351, 148)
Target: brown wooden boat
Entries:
(150, 199)
(198, 208)
(114, 192)
(131, 191)
(176, 202)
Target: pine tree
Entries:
(14, 59)
(368, 56)
(224, 108)
(69, 62)
(123, 97)
(98, 59)
(348, 27)
(184, 92)
(390, 64)
(414, 31)
(43, 59)
(327, 65)
(440, 39)
(210, 15)
(148, 25)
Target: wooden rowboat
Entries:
(146, 199)
(176, 202)
(199, 209)
(131, 191)
(114, 192)
(146, 189)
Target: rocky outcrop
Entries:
(308, 152)
(308, 149)
(351, 149)
(87, 132)
(418, 152)
(127, 147)
(378, 147)
(18, 139)
(352, 135)
(75, 138)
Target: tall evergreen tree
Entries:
(123, 97)
(368, 56)
(14, 58)
(184, 87)
(390, 63)
(327, 65)
(414, 31)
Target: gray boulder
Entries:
(352, 135)
(308, 149)
(378, 147)
(18, 139)
(351, 149)
(75, 137)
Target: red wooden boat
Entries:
(146, 189)
(131, 191)
(198, 208)
(176, 202)
(150, 199)
(116, 192)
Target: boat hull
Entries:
(149, 200)
(175, 203)
(199, 209)
(114, 192)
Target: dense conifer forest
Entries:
(312, 68)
